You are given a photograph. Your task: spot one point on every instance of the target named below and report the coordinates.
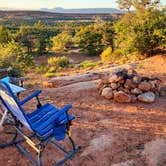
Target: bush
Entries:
(87, 64)
(62, 41)
(14, 56)
(106, 55)
(109, 56)
(59, 62)
(42, 68)
(141, 32)
(51, 69)
(49, 75)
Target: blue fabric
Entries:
(48, 120)
(14, 88)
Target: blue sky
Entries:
(37, 4)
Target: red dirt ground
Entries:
(124, 127)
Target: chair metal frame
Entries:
(39, 147)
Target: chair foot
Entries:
(68, 156)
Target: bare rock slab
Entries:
(155, 152)
(148, 97)
(127, 163)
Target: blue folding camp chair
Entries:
(46, 123)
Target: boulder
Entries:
(115, 78)
(122, 97)
(124, 90)
(115, 85)
(129, 84)
(137, 79)
(148, 97)
(131, 72)
(145, 86)
(136, 91)
(107, 93)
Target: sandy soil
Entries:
(108, 132)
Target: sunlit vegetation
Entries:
(136, 34)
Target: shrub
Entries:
(14, 56)
(51, 69)
(49, 75)
(87, 64)
(109, 56)
(106, 55)
(141, 32)
(59, 62)
(42, 68)
(62, 41)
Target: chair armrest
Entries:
(35, 94)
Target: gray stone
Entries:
(148, 97)
(107, 93)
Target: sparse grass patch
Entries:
(59, 61)
(49, 75)
(41, 68)
(88, 64)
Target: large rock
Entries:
(137, 79)
(148, 97)
(145, 86)
(129, 84)
(113, 78)
(122, 97)
(107, 93)
(156, 87)
(114, 86)
(136, 91)
(155, 152)
(67, 80)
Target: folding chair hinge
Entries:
(69, 133)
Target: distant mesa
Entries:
(82, 10)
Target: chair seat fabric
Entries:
(46, 121)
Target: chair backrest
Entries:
(12, 104)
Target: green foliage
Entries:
(89, 40)
(109, 56)
(145, 31)
(5, 35)
(49, 75)
(51, 69)
(93, 38)
(106, 55)
(89, 64)
(62, 41)
(59, 62)
(41, 68)
(14, 56)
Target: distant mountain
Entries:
(82, 10)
